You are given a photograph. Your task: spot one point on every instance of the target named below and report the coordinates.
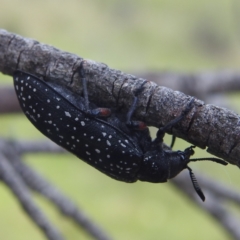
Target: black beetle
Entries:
(122, 149)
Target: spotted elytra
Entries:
(122, 149)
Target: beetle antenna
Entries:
(217, 160)
(195, 184)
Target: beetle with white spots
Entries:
(122, 149)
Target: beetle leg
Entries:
(137, 125)
(161, 132)
(173, 141)
(97, 112)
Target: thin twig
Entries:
(213, 205)
(37, 183)
(217, 194)
(11, 178)
(220, 189)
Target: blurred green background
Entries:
(131, 36)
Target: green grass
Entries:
(131, 36)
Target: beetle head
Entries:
(160, 165)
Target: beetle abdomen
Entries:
(62, 119)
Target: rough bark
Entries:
(205, 126)
(200, 84)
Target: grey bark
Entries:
(206, 125)
(199, 84)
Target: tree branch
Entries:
(217, 193)
(217, 196)
(8, 100)
(10, 177)
(206, 125)
(26, 178)
(38, 184)
(197, 84)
